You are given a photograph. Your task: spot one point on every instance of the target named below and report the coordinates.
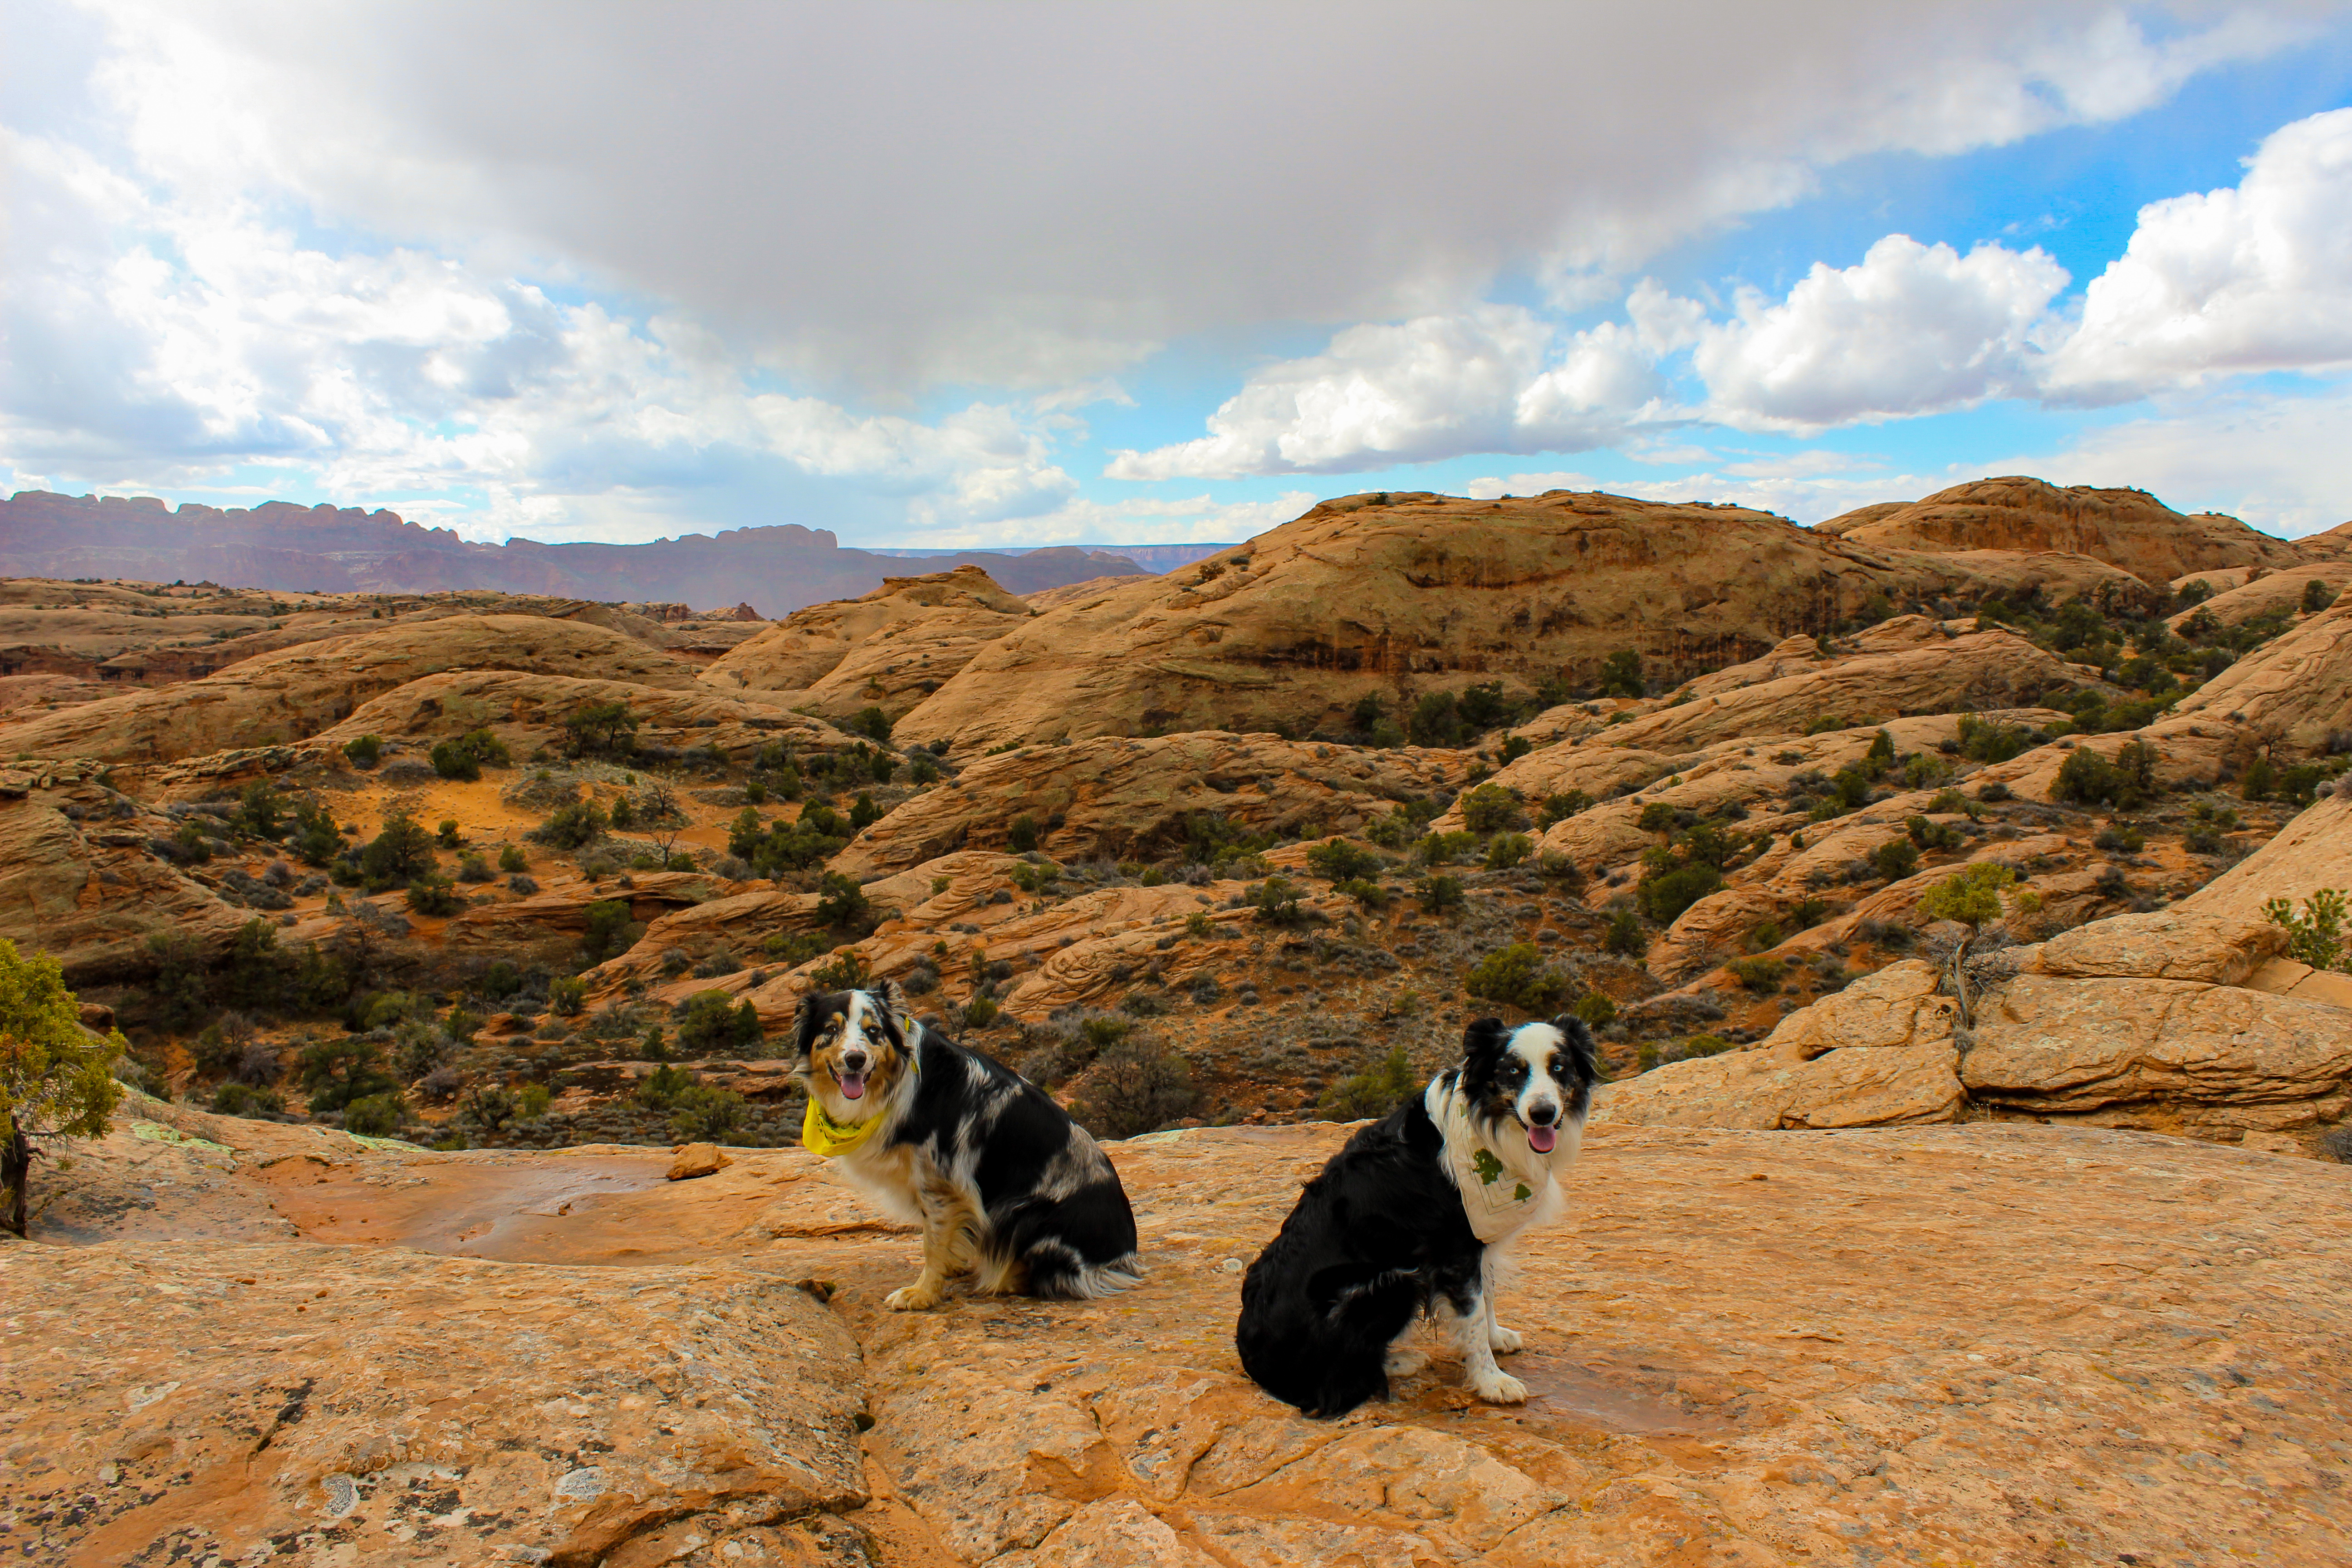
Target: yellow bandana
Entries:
(820, 1134)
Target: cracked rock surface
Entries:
(1992, 1342)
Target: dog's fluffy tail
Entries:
(1058, 1272)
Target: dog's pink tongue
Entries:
(853, 1086)
(1542, 1139)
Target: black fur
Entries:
(1380, 1237)
(1051, 1199)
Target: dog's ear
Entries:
(1484, 1039)
(894, 996)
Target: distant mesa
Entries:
(294, 549)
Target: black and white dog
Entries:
(1004, 1185)
(1409, 1218)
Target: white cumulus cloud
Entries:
(2252, 278)
(1912, 330)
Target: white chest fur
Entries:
(1505, 1187)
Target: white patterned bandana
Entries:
(1496, 1199)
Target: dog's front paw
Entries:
(1506, 1341)
(916, 1298)
(1500, 1389)
(1403, 1362)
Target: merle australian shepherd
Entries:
(1004, 1185)
(1409, 1218)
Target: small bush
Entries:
(661, 1087)
(1596, 1009)
(377, 1116)
(1441, 893)
(473, 868)
(1491, 809)
(980, 1011)
(239, 1098)
(365, 752)
(1137, 1085)
(1377, 1090)
(1507, 850)
(2316, 597)
(707, 1115)
(1516, 976)
(1625, 936)
(567, 996)
(1022, 834)
(573, 825)
(1761, 975)
(1388, 832)
(2315, 936)
(1276, 902)
(710, 1025)
(609, 930)
(510, 859)
(1993, 790)
(1895, 859)
(1665, 895)
(434, 897)
(2129, 840)
(1561, 807)
(1341, 861)
(1443, 848)
(1368, 895)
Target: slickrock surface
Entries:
(1371, 595)
(295, 693)
(2312, 851)
(890, 649)
(2126, 527)
(2174, 1021)
(527, 710)
(2279, 590)
(1985, 1344)
(2299, 689)
(1114, 796)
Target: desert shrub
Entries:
(446, 834)
(703, 1114)
(1895, 859)
(610, 930)
(1021, 834)
(709, 1024)
(1377, 1090)
(1368, 894)
(1984, 741)
(365, 752)
(336, 1072)
(473, 868)
(1440, 893)
(1443, 848)
(1515, 747)
(863, 812)
(792, 948)
(510, 859)
(434, 897)
(2316, 597)
(1625, 936)
(1507, 850)
(1561, 807)
(1033, 877)
(573, 826)
(1435, 720)
(1761, 975)
(1143, 1004)
(239, 1098)
(2086, 779)
(402, 852)
(1516, 976)
(1276, 900)
(847, 971)
(602, 729)
(842, 906)
(2129, 840)
(1664, 895)
(375, 1116)
(1341, 861)
(871, 723)
(2300, 783)
(980, 1013)
(1135, 1086)
(2316, 935)
(1886, 933)
(1491, 809)
(1621, 674)
(1388, 832)
(468, 754)
(1595, 1009)
(1929, 835)
(1993, 790)
(661, 1089)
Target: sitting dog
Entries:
(1409, 1218)
(1000, 1178)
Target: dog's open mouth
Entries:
(1542, 1139)
(853, 1085)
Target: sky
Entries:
(942, 274)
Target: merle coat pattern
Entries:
(1004, 1184)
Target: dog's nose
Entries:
(853, 1060)
(1543, 1113)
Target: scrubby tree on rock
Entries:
(56, 1078)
